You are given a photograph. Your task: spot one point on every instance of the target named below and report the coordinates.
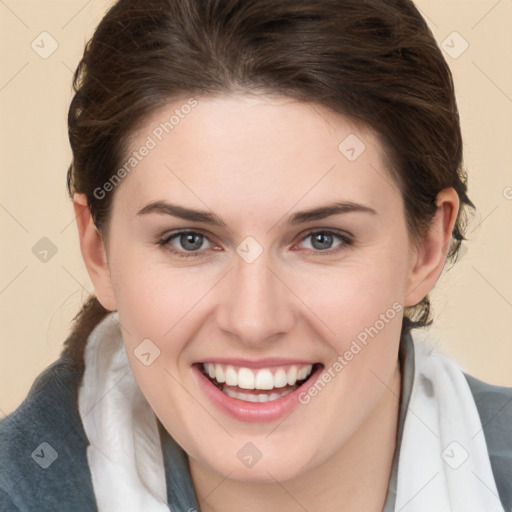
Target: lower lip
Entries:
(251, 412)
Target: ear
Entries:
(94, 253)
(429, 254)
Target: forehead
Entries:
(254, 152)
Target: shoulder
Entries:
(494, 404)
(43, 447)
(491, 398)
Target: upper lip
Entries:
(267, 362)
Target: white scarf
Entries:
(125, 455)
(444, 462)
(443, 465)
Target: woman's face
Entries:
(268, 281)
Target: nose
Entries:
(256, 306)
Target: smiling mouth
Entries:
(257, 386)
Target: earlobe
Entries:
(94, 253)
(429, 255)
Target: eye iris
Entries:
(191, 241)
(324, 240)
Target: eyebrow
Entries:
(161, 207)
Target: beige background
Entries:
(472, 302)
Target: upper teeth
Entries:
(265, 378)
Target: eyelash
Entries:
(165, 242)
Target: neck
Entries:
(356, 476)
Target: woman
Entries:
(265, 194)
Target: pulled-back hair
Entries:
(375, 61)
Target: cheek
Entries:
(156, 310)
(152, 295)
(360, 310)
(351, 297)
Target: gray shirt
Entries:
(43, 464)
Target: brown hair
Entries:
(375, 61)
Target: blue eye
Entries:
(190, 242)
(322, 241)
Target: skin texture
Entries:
(253, 161)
